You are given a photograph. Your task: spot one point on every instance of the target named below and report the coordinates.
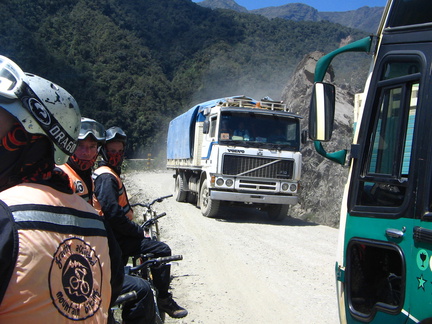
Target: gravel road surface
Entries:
(241, 267)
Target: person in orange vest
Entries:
(112, 201)
(79, 166)
(58, 260)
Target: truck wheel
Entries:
(179, 192)
(277, 212)
(209, 207)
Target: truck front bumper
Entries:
(253, 198)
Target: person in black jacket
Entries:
(112, 201)
(59, 262)
(78, 167)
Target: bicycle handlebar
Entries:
(153, 263)
(153, 220)
(148, 205)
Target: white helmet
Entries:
(41, 106)
(92, 128)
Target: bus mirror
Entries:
(321, 112)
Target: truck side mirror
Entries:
(304, 135)
(321, 112)
(206, 127)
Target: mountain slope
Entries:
(364, 18)
(223, 4)
(291, 11)
(138, 64)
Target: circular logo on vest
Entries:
(79, 186)
(75, 280)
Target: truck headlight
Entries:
(229, 182)
(293, 187)
(285, 186)
(220, 182)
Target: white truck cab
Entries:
(237, 150)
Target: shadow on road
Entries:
(255, 216)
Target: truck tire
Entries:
(277, 212)
(179, 193)
(209, 207)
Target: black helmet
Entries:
(115, 133)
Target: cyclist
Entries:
(112, 201)
(79, 169)
(58, 261)
(79, 165)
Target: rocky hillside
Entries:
(322, 180)
(364, 18)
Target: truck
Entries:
(236, 151)
(383, 267)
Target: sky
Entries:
(320, 5)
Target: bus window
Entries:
(386, 169)
(410, 130)
(410, 12)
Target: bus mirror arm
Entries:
(322, 106)
(338, 156)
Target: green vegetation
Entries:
(139, 63)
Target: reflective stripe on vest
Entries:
(122, 195)
(47, 218)
(63, 269)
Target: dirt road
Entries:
(241, 267)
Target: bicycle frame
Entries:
(143, 269)
(150, 225)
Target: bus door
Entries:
(388, 245)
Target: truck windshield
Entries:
(252, 129)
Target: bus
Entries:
(383, 264)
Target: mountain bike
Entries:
(151, 231)
(141, 267)
(151, 217)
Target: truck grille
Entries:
(257, 167)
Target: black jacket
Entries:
(106, 190)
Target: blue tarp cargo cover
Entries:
(181, 130)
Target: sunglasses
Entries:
(14, 85)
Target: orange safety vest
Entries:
(123, 200)
(63, 269)
(76, 183)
